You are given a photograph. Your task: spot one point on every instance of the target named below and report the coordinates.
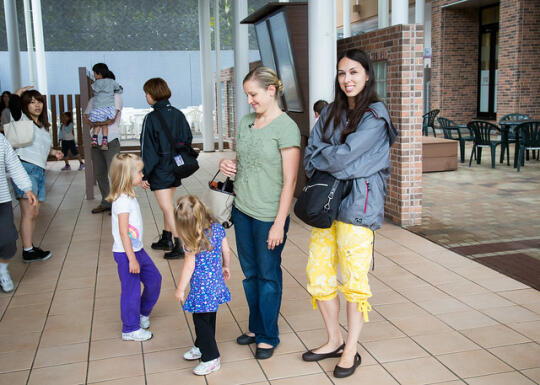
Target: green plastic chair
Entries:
(452, 130)
(428, 121)
(482, 132)
(529, 139)
(509, 136)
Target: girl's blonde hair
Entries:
(266, 77)
(192, 218)
(124, 167)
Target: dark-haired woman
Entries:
(156, 153)
(351, 141)
(103, 107)
(101, 158)
(65, 134)
(29, 106)
(5, 115)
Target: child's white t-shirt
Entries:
(126, 204)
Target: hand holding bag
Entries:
(319, 201)
(184, 156)
(220, 198)
(19, 133)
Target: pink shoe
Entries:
(94, 141)
(67, 167)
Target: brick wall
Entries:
(401, 47)
(455, 50)
(529, 63)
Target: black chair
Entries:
(529, 139)
(507, 134)
(482, 132)
(452, 130)
(428, 120)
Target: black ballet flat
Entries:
(340, 372)
(310, 356)
(264, 353)
(244, 339)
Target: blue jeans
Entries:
(37, 177)
(262, 268)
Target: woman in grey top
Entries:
(351, 141)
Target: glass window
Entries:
(379, 68)
(490, 15)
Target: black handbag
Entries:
(319, 201)
(185, 157)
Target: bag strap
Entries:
(167, 130)
(224, 183)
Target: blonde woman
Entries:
(134, 264)
(265, 170)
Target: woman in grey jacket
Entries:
(351, 141)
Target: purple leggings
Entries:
(132, 303)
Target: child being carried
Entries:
(103, 109)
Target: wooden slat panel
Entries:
(78, 119)
(69, 102)
(61, 107)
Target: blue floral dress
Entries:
(207, 286)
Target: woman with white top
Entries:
(28, 105)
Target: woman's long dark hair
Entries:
(103, 70)
(340, 107)
(2, 104)
(26, 99)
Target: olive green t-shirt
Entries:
(259, 177)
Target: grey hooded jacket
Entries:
(364, 159)
(104, 90)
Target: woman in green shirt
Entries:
(265, 169)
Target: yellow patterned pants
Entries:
(349, 246)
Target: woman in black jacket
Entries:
(157, 154)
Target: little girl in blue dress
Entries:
(206, 267)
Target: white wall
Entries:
(181, 70)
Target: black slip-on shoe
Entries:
(244, 339)
(100, 209)
(340, 372)
(36, 254)
(264, 353)
(310, 356)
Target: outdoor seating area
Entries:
(437, 317)
(519, 130)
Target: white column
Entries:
(241, 58)
(419, 11)
(400, 12)
(217, 41)
(382, 13)
(40, 47)
(322, 52)
(346, 18)
(12, 31)
(29, 43)
(206, 74)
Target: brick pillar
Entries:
(401, 46)
(454, 63)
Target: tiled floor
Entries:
(490, 215)
(438, 318)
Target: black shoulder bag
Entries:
(184, 156)
(319, 201)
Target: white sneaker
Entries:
(193, 354)
(205, 368)
(5, 281)
(144, 321)
(138, 335)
